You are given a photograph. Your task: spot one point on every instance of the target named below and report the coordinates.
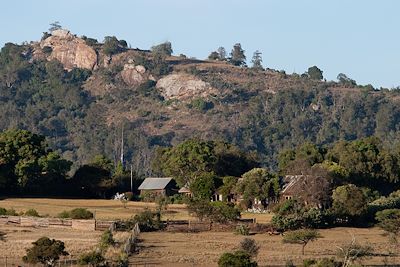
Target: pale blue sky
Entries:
(357, 37)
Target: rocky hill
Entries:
(81, 93)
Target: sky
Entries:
(357, 37)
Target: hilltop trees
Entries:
(237, 56)
(220, 54)
(257, 60)
(315, 73)
(164, 49)
(346, 81)
(113, 46)
(54, 26)
(214, 56)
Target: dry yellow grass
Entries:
(260, 217)
(103, 209)
(204, 249)
(18, 239)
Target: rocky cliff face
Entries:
(70, 50)
(183, 86)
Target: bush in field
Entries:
(224, 212)
(325, 262)
(93, 258)
(64, 214)
(389, 220)
(242, 229)
(31, 212)
(148, 221)
(107, 239)
(215, 211)
(9, 212)
(302, 237)
(236, 259)
(352, 251)
(292, 215)
(46, 251)
(78, 213)
(249, 246)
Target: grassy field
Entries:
(204, 249)
(18, 239)
(103, 209)
(176, 249)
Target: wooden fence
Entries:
(202, 226)
(87, 225)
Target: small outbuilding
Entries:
(164, 186)
(185, 191)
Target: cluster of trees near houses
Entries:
(347, 183)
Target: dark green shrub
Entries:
(223, 212)
(200, 104)
(31, 212)
(107, 239)
(309, 262)
(164, 49)
(249, 246)
(291, 215)
(148, 221)
(64, 214)
(3, 211)
(236, 259)
(81, 213)
(147, 88)
(46, 251)
(112, 46)
(325, 262)
(47, 50)
(242, 229)
(93, 258)
(178, 199)
(78, 213)
(12, 212)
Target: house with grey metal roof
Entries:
(165, 186)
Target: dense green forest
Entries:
(259, 111)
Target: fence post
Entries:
(6, 261)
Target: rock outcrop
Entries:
(70, 50)
(135, 75)
(183, 86)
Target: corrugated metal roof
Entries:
(155, 183)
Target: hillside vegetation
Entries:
(80, 94)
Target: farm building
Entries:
(185, 191)
(165, 186)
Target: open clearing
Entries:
(18, 239)
(177, 249)
(103, 209)
(204, 249)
